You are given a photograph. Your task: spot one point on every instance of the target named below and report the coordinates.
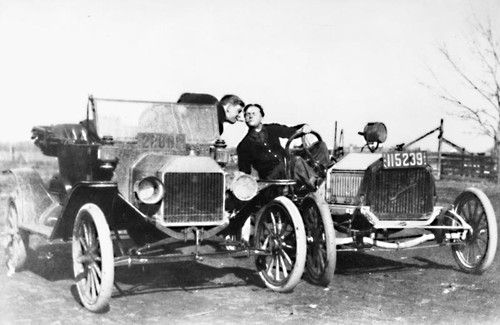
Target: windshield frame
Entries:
(197, 123)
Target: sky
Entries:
(316, 61)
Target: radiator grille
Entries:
(344, 187)
(194, 197)
(402, 193)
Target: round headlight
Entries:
(244, 187)
(149, 190)
(375, 132)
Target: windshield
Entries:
(124, 120)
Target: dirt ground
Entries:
(405, 287)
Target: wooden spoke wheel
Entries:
(320, 236)
(476, 252)
(16, 250)
(279, 231)
(93, 259)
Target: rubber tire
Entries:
(91, 218)
(16, 250)
(321, 248)
(488, 216)
(295, 237)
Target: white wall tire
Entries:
(93, 259)
(475, 254)
(280, 231)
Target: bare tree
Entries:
(478, 73)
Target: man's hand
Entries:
(306, 129)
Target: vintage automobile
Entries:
(387, 201)
(153, 173)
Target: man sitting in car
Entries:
(262, 150)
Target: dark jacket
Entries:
(205, 99)
(262, 150)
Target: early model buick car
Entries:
(153, 173)
(387, 201)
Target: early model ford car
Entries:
(153, 173)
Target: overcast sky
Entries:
(308, 61)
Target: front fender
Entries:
(251, 207)
(103, 194)
(119, 213)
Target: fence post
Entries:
(440, 137)
(495, 168)
(11, 152)
(480, 164)
(462, 164)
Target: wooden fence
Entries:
(460, 165)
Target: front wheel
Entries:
(93, 259)
(320, 235)
(279, 231)
(475, 254)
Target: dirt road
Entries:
(406, 287)
(409, 287)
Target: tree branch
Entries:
(473, 114)
(457, 69)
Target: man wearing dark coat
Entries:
(262, 150)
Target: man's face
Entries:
(253, 118)
(233, 112)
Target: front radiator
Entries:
(194, 198)
(344, 187)
(392, 194)
(403, 194)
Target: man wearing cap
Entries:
(262, 150)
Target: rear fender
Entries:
(119, 213)
(30, 196)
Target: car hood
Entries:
(357, 161)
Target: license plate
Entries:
(161, 141)
(404, 159)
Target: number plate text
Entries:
(404, 159)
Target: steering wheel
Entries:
(318, 168)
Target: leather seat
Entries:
(71, 133)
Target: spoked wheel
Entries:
(280, 232)
(475, 254)
(320, 236)
(16, 250)
(93, 260)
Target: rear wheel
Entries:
(475, 254)
(16, 250)
(280, 232)
(93, 259)
(320, 235)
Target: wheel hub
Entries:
(87, 258)
(275, 245)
